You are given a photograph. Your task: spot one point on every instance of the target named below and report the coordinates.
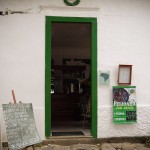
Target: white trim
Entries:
(60, 8)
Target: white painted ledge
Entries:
(70, 8)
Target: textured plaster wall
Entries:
(123, 38)
(108, 129)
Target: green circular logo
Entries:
(72, 2)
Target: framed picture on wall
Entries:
(124, 74)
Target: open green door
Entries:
(49, 21)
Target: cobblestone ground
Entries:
(105, 146)
(123, 146)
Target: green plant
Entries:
(74, 3)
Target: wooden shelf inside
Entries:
(65, 67)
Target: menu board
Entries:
(124, 104)
(20, 125)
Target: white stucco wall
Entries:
(123, 38)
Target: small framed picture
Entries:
(104, 77)
(124, 74)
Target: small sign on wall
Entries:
(104, 77)
(124, 104)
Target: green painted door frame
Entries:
(49, 21)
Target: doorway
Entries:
(70, 75)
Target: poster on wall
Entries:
(124, 104)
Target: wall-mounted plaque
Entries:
(104, 77)
(124, 74)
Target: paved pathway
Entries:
(123, 146)
(105, 146)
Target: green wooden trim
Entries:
(124, 86)
(93, 21)
(47, 79)
(69, 19)
(94, 78)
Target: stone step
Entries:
(72, 147)
(71, 140)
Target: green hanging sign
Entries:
(71, 2)
(124, 104)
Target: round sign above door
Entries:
(72, 2)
